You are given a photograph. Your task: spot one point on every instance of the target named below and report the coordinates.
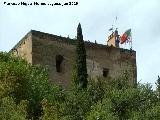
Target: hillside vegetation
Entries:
(25, 93)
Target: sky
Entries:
(96, 17)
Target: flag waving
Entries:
(126, 36)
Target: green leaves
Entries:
(10, 111)
(80, 68)
(102, 111)
(21, 81)
(25, 93)
(13, 72)
(158, 86)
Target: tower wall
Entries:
(45, 50)
(24, 48)
(57, 53)
(103, 61)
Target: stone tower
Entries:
(57, 53)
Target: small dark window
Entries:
(105, 72)
(59, 60)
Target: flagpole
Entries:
(131, 40)
(116, 22)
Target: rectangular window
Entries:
(59, 60)
(105, 72)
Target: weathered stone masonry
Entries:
(58, 52)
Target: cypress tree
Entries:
(80, 67)
(158, 86)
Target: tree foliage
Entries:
(9, 110)
(26, 93)
(22, 81)
(80, 67)
(158, 86)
